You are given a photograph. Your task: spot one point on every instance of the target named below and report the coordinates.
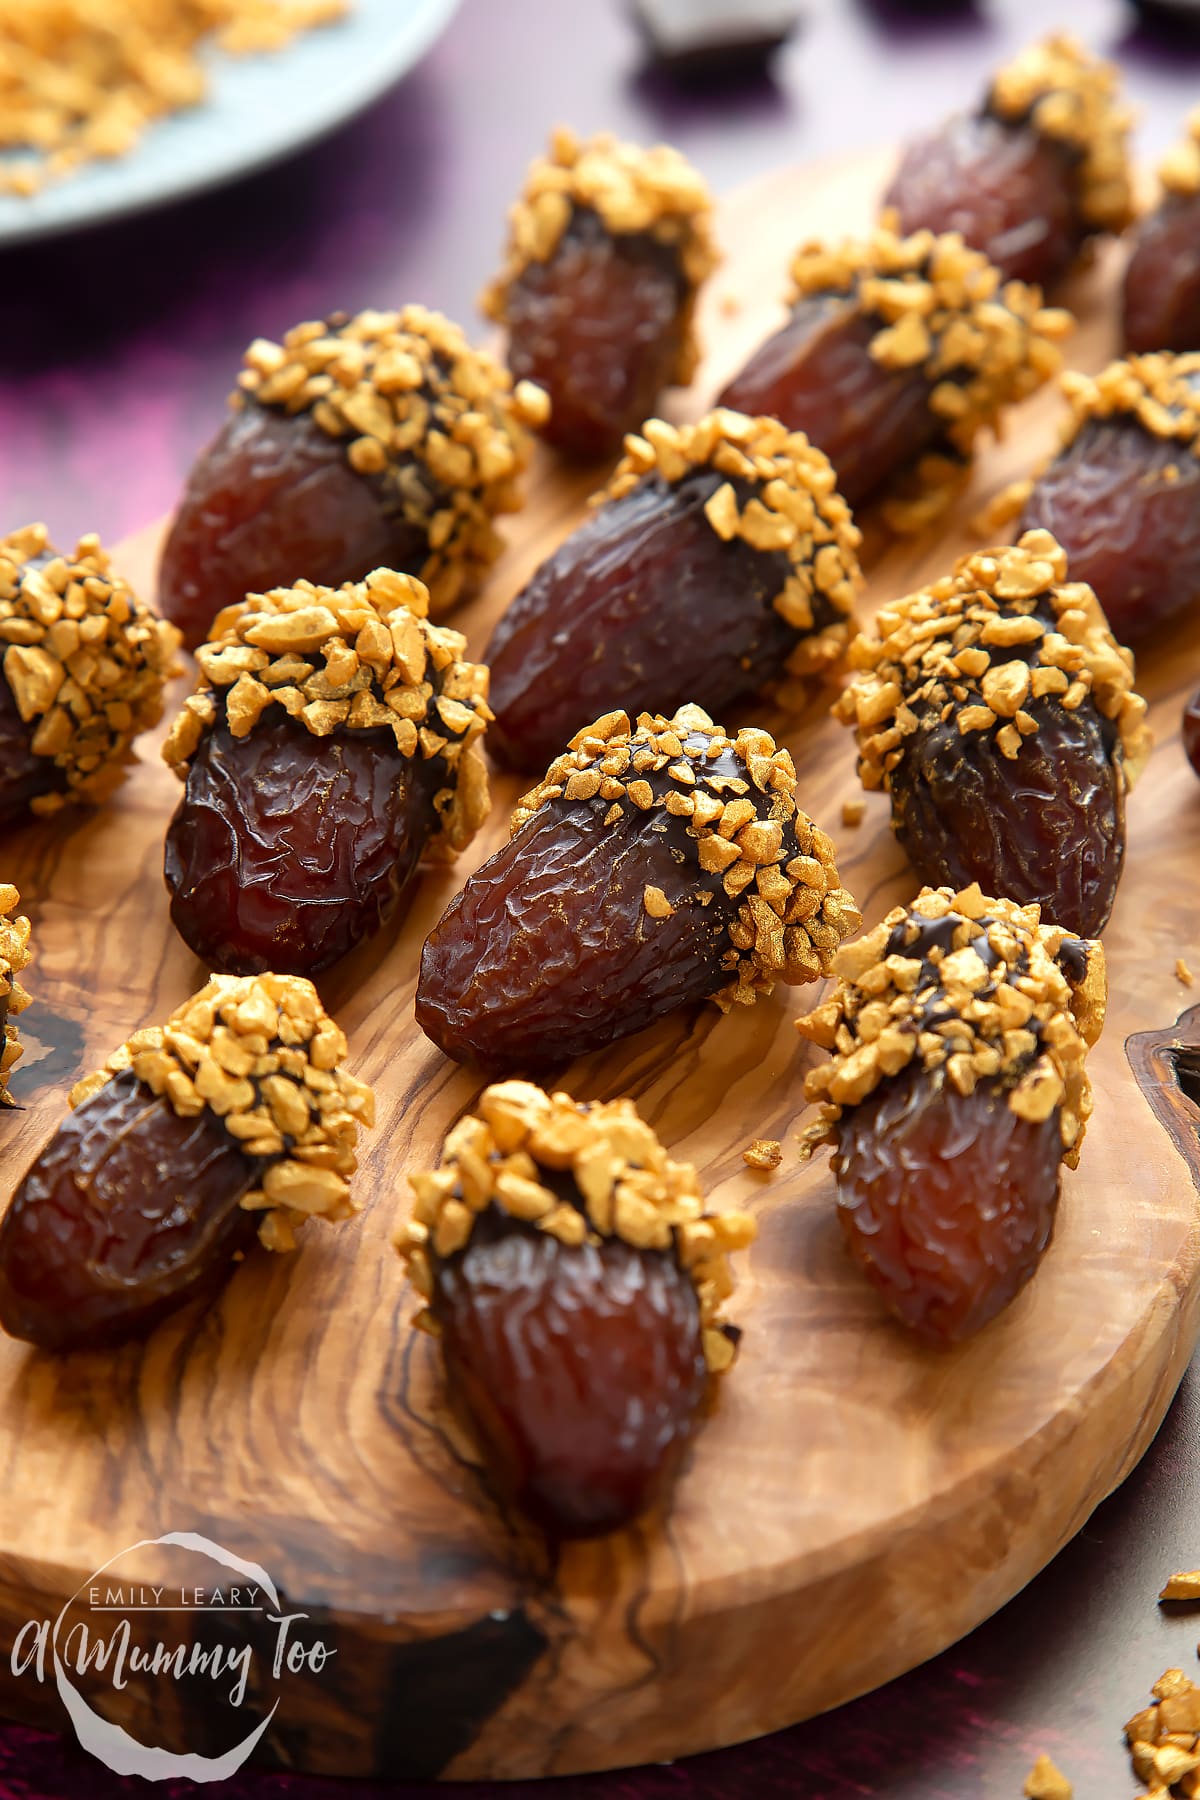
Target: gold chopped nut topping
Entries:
(1164, 1739)
(1161, 391)
(636, 192)
(1072, 98)
(780, 495)
(1179, 171)
(1003, 638)
(1046, 1781)
(763, 1153)
(1184, 1586)
(1183, 973)
(261, 1052)
(14, 956)
(354, 658)
(627, 1188)
(433, 422)
(80, 82)
(968, 989)
(85, 661)
(981, 342)
(853, 813)
(734, 800)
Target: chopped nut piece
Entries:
(1047, 1782)
(14, 956)
(1071, 97)
(1183, 973)
(1161, 391)
(853, 813)
(295, 1103)
(627, 1187)
(763, 1153)
(1185, 1586)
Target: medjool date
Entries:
(1122, 496)
(720, 557)
(153, 1186)
(653, 867)
(998, 711)
(1042, 166)
(14, 956)
(898, 353)
(378, 441)
(83, 665)
(335, 744)
(1161, 296)
(609, 245)
(574, 1281)
(956, 1089)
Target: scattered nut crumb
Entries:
(731, 306)
(853, 813)
(656, 903)
(763, 1153)
(1047, 1782)
(1185, 1586)
(1183, 973)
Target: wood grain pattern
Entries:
(856, 1503)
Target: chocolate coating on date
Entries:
(127, 1213)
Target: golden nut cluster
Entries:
(736, 798)
(1161, 391)
(14, 956)
(794, 509)
(1006, 631)
(1013, 1015)
(354, 658)
(945, 310)
(81, 82)
(261, 1053)
(85, 661)
(636, 192)
(1164, 1739)
(1179, 171)
(1072, 98)
(628, 1188)
(434, 422)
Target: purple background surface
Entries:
(116, 351)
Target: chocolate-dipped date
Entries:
(83, 665)
(998, 712)
(235, 1117)
(574, 1282)
(609, 244)
(956, 1090)
(653, 867)
(1122, 496)
(14, 956)
(334, 743)
(897, 354)
(1041, 166)
(719, 559)
(1160, 299)
(378, 441)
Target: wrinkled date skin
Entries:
(548, 952)
(1130, 531)
(581, 1369)
(1161, 302)
(272, 500)
(946, 1201)
(289, 849)
(642, 608)
(1049, 826)
(818, 376)
(23, 775)
(1006, 189)
(128, 1212)
(598, 325)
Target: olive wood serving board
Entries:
(856, 1502)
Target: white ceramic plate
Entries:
(259, 109)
